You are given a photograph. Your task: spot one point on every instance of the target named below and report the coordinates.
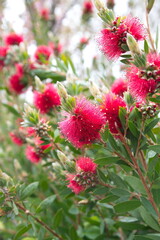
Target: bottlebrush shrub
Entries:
(94, 172)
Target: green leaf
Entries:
(12, 110)
(112, 142)
(120, 192)
(122, 116)
(32, 221)
(136, 184)
(31, 188)
(101, 175)
(47, 150)
(43, 74)
(146, 47)
(155, 148)
(117, 180)
(73, 210)
(29, 238)
(22, 231)
(141, 237)
(148, 219)
(148, 206)
(73, 234)
(46, 203)
(133, 129)
(15, 209)
(110, 198)
(58, 218)
(127, 206)
(92, 232)
(106, 160)
(139, 60)
(154, 236)
(151, 125)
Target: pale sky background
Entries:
(16, 8)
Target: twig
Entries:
(125, 160)
(27, 212)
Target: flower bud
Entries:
(99, 5)
(132, 44)
(27, 108)
(30, 116)
(62, 157)
(94, 89)
(5, 177)
(61, 90)
(39, 85)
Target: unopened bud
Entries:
(61, 90)
(83, 202)
(150, 5)
(99, 5)
(132, 44)
(71, 78)
(39, 85)
(30, 116)
(94, 89)
(4, 176)
(27, 108)
(62, 157)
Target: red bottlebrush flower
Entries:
(112, 40)
(32, 155)
(35, 154)
(85, 177)
(77, 188)
(83, 125)
(42, 54)
(3, 54)
(15, 83)
(30, 131)
(13, 39)
(44, 13)
(18, 138)
(47, 99)
(144, 81)
(87, 7)
(119, 87)
(86, 164)
(110, 108)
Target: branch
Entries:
(44, 225)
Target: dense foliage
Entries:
(79, 150)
